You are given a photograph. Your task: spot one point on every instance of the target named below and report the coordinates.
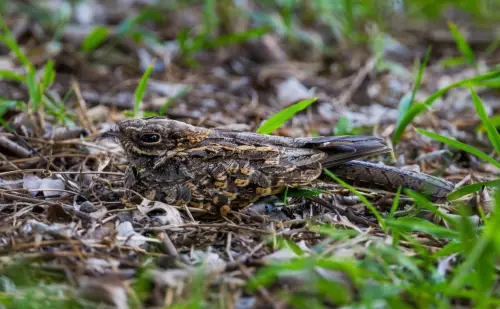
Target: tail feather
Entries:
(389, 178)
(351, 149)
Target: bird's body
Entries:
(221, 170)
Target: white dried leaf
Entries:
(98, 114)
(7, 285)
(211, 261)
(169, 215)
(99, 213)
(285, 253)
(127, 235)
(6, 63)
(167, 89)
(50, 187)
(11, 184)
(103, 162)
(32, 183)
(486, 201)
(88, 12)
(489, 168)
(280, 255)
(101, 265)
(330, 275)
(291, 91)
(144, 206)
(56, 229)
(371, 115)
(444, 265)
(170, 50)
(172, 277)
(165, 213)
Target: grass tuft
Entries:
(459, 145)
(419, 107)
(407, 100)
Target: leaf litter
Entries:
(62, 199)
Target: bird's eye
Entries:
(150, 138)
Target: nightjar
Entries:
(220, 170)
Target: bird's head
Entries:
(155, 136)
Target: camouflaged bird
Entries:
(220, 170)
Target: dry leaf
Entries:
(49, 187)
(31, 182)
(106, 290)
(291, 91)
(164, 213)
(129, 237)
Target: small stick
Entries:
(13, 147)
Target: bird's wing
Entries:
(328, 150)
(272, 150)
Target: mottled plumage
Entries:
(221, 170)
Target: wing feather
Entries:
(329, 150)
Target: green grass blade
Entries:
(492, 83)
(164, 107)
(465, 82)
(472, 188)
(459, 280)
(459, 145)
(417, 108)
(146, 14)
(210, 17)
(7, 38)
(492, 132)
(405, 104)
(363, 199)
(141, 88)
(236, 37)
(34, 90)
(395, 203)
(6, 74)
(95, 38)
(424, 203)
(350, 24)
(420, 73)
(494, 223)
(48, 75)
(5, 106)
(462, 44)
(494, 120)
(452, 62)
(414, 224)
(275, 121)
(448, 249)
(343, 126)
(407, 100)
